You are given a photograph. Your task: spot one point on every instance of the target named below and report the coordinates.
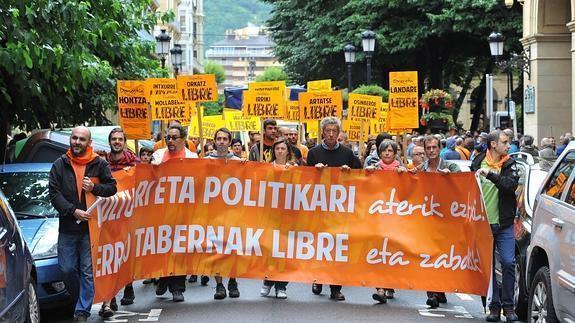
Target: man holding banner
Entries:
(176, 142)
(330, 153)
(71, 176)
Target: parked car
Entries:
(26, 188)
(18, 298)
(530, 178)
(550, 270)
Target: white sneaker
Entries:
(281, 294)
(265, 291)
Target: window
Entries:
(558, 180)
(27, 193)
(183, 26)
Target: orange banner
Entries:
(407, 231)
(403, 100)
(133, 109)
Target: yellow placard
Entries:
(236, 121)
(209, 126)
(319, 86)
(403, 100)
(161, 87)
(197, 88)
(292, 111)
(267, 87)
(312, 128)
(356, 130)
(363, 107)
(318, 105)
(380, 124)
(170, 109)
(133, 109)
(264, 104)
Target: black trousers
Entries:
(175, 283)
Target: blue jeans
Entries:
(504, 241)
(75, 262)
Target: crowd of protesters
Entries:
(282, 147)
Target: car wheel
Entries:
(541, 308)
(519, 295)
(33, 313)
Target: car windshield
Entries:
(27, 193)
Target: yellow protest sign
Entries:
(403, 100)
(312, 128)
(197, 88)
(356, 130)
(170, 109)
(319, 86)
(236, 121)
(380, 124)
(209, 126)
(264, 104)
(318, 105)
(363, 107)
(267, 87)
(292, 111)
(133, 109)
(161, 87)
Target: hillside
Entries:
(221, 15)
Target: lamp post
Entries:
(349, 53)
(517, 61)
(162, 45)
(176, 53)
(368, 44)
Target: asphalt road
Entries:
(300, 306)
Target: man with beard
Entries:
(176, 149)
(70, 178)
(293, 137)
(119, 158)
(330, 153)
(222, 140)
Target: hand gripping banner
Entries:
(406, 231)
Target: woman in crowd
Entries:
(387, 151)
(282, 157)
(238, 148)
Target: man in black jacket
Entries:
(71, 176)
(330, 153)
(499, 179)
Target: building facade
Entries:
(190, 17)
(244, 54)
(549, 38)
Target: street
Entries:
(301, 306)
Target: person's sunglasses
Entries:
(173, 138)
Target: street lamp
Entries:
(349, 53)
(162, 45)
(368, 44)
(176, 53)
(517, 61)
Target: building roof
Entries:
(260, 40)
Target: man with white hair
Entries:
(330, 153)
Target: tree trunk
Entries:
(463, 93)
(4, 131)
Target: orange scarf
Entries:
(169, 155)
(493, 164)
(79, 165)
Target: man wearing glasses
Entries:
(176, 148)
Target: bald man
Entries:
(70, 178)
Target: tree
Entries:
(372, 90)
(445, 41)
(273, 73)
(211, 67)
(59, 59)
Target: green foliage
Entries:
(59, 59)
(211, 67)
(272, 73)
(372, 90)
(443, 40)
(221, 15)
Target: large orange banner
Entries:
(405, 231)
